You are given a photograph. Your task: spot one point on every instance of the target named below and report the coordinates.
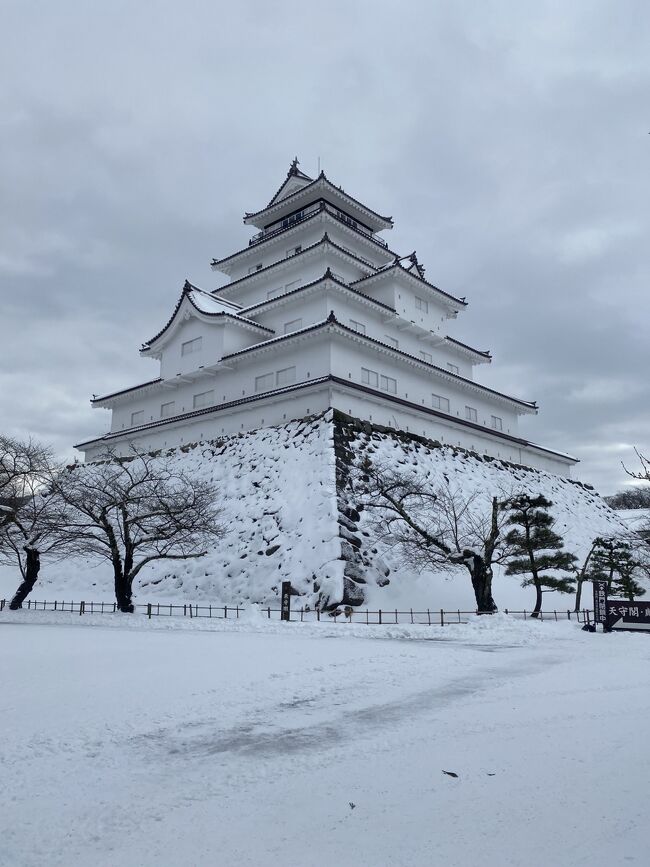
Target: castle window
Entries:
(369, 377)
(426, 356)
(264, 382)
(167, 409)
(452, 368)
(470, 413)
(254, 268)
(294, 325)
(191, 346)
(357, 326)
(497, 423)
(204, 398)
(387, 383)
(285, 376)
(391, 341)
(439, 402)
(137, 417)
(294, 251)
(422, 305)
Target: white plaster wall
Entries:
(417, 385)
(264, 413)
(310, 360)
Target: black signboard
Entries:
(600, 601)
(630, 616)
(285, 613)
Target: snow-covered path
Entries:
(245, 745)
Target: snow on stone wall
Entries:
(285, 522)
(580, 513)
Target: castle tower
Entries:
(319, 312)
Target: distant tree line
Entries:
(637, 497)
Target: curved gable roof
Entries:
(208, 305)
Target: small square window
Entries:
(204, 398)
(426, 356)
(391, 341)
(452, 368)
(137, 417)
(191, 346)
(387, 383)
(167, 409)
(264, 382)
(422, 305)
(470, 413)
(285, 376)
(497, 423)
(294, 325)
(369, 377)
(439, 402)
(357, 326)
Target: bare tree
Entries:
(30, 523)
(437, 525)
(136, 509)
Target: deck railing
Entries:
(293, 219)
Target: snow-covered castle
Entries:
(319, 312)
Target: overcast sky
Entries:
(509, 141)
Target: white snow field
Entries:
(134, 743)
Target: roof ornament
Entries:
(414, 260)
(293, 170)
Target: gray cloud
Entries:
(509, 142)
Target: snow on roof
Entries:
(208, 303)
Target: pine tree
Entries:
(614, 562)
(537, 548)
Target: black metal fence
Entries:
(380, 616)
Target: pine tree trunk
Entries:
(578, 595)
(32, 566)
(538, 600)
(482, 584)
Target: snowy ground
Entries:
(129, 743)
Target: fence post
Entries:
(318, 614)
(225, 612)
(459, 615)
(568, 614)
(524, 613)
(411, 615)
(190, 610)
(396, 615)
(82, 605)
(149, 610)
(268, 611)
(210, 610)
(380, 615)
(2, 604)
(505, 610)
(237, 612)
(114, 607)
(442, 617)
(429, 616)
(555, 612)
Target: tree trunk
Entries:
(482, 585)
(538, 600)
(32, 566)
(578, 594)
(123, 595)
